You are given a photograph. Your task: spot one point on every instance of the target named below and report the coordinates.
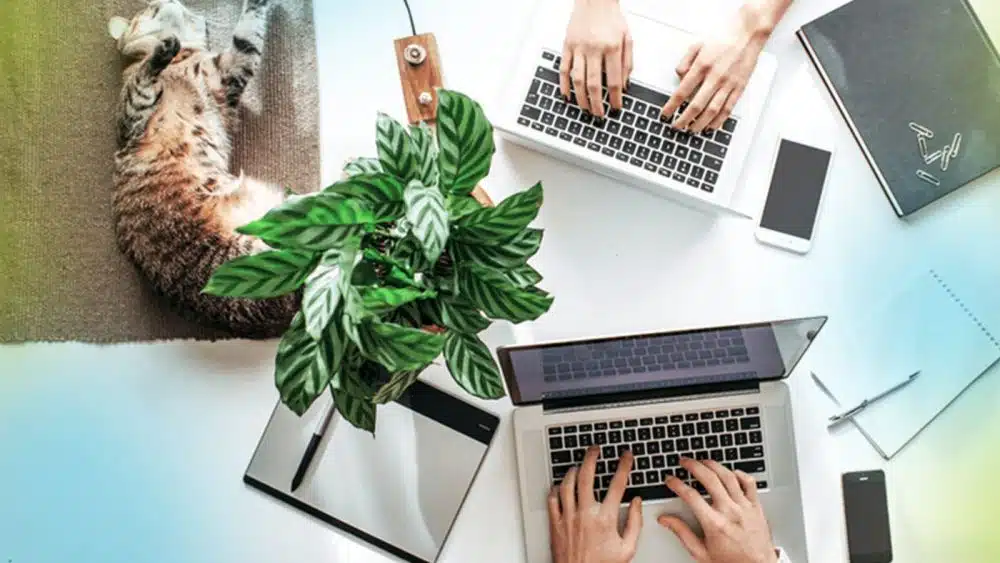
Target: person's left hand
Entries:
(715, 72)
(585, 530)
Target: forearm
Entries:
(762, 16)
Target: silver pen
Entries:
(838, 418)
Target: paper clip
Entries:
(929, 159)
(921, 130)
(922, 141)
(930, 179)
(955, 144)
(945, 157)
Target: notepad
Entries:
(927, 326)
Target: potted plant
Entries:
(397, 264)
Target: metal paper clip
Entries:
(921, 130)
(945, 157)
(929, 159)
(930, 179)
(922, 141)
(955, 144)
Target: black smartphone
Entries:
(867, 510)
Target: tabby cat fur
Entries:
(176, 203)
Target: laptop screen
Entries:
(563, 370)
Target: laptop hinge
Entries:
(650, 396)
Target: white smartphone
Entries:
(798, 179)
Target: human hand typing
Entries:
(715, 72)
(736, 530)
(597, 39)
(583, 530)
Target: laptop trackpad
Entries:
(657, 50)
(656, 543)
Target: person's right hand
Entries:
(735, 527)
(597, 38)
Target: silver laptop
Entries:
(634, 146)
(713, 393)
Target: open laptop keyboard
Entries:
(644, 354)
(636, 134)
(732, 436)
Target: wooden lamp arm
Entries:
(420, 75)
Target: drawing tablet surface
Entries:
(399, 491)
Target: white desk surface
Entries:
(136, 453)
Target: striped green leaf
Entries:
(395, 387)
(301, 371)
(353, 398)
(465, 142)
(263, 275)
(409, 253)
(320, 208)
(461, 205)
(369, 188)
(377, 301)
(472, 365)
(395, 151)
(363, 165)
(511, 254)
(396, 347)
(426, 213)
(492, 292)
(323, 289)
(425, 154)
(461, 316)
(524, 276)
(503, 222)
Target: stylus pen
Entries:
(838, 418)
(314, 441)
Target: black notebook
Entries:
(918, 82)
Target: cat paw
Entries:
(165, 52)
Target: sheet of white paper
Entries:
(920, 327)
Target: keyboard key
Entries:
(754, 466)
(561, 123)
(712, 162)
(578, 455)
(531, 113)
(601, 426)
(736, 412)
(537, 126)
(603, 138)
(667, 446)
(753, 410)
(694, 157)
(697, 443)
(756, 437)
(589, 133)
(651, 476)
(627, 132)
(673, 460)
(656, 128)
(622, 157)
(723, 137)
(562, 456)
(696, 142)
(535, 85)
(600, 438)
(699, 173)
(642, 124)
(566, 136)
(614, 128)
(579, 142)
(732, 454)
(649, 166)
(750, 423)
(715, 149)
(629, 147)
(640, 137)
(717, 455)
(670, 162)
(622, 448)
(761, 485)
(628, 118)
(659, 433)
(659, 462)
(729, 125)
(681, 152)
(629, 435)
(615, 437)
(642, 463)
(680, 473)
(687, 429)
(682, 444)
(749, 452)
(637, 478)
(726, 440)
(695, 183)
(546, 103)
(559, 108)
(548, 118)
(554, 431)
(569, 441)
(732, 425)
(586, 440)
(616, 143)
(656, 158)
(560, 471)
(555, 443)
(643, 152)
(701, 455)
(606, 481)
(575, 128)
(674, 418)
(684, 167)
(644, 434)
(721, 414)
(594, 147)
(691, 417)
(626, 102)
(741, 439)
(547, 75)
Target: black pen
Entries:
(317, 436)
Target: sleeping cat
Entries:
(176, 203)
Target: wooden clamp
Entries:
(420, 75)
